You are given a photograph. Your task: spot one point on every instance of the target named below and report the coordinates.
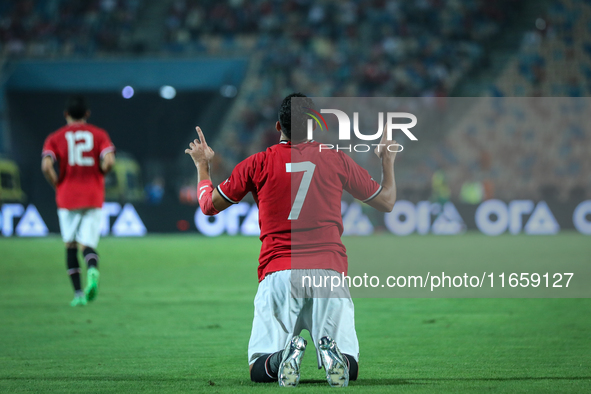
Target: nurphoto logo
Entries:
(345, 129)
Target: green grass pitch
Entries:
(174, 315)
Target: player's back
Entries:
(78, 149)
(302, 188)
(298, 189)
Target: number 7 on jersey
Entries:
(307, 168)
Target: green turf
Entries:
(174, 315)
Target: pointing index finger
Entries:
(201, 136)
(384, 135)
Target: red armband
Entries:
(205, 193)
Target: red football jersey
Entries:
(78, 148)
(298, 191)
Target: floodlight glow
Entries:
(167, 92)
(228, 91)
(127, 92)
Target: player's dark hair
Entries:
(76, 107)
(292, 117)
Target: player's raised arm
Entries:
(384, 201)
(210, 200)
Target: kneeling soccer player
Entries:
(301, 237)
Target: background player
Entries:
(85, 154)
(317, 248)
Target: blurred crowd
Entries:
(346, 48)
(420, 49)
(362, 48)
(536, 146)
(56, 28)
(555, 56)
(518, 147)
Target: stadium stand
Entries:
(424, 48)
(536, 147)
(57, 28)
(555, 58)
(343, 49)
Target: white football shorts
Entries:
(278, 317)
(81, 225)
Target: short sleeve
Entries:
(240, 182)
(49, 148)
(105, 145)
(358, 182)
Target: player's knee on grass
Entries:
(90, 256)
(353, 367)
(72, 245)
(258, 371)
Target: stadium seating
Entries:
(346, 48)
(57, 28)
(355, 48)
(555, 58)
(534, 147)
